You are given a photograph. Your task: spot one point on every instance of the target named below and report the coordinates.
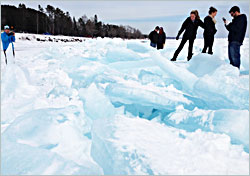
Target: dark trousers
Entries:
(160, 46)
(190, 48)
(234, 53)
(208, 43)
(153, 44)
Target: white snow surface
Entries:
(119, 107)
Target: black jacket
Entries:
(161, 38)
(209, 26)
(190, 28)
(153, 36)
(237, 29)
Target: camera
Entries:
(224, 19)
(11, 33)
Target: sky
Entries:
(145, 15)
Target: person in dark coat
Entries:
(190, 26)
(161, 39)
(153, 37)
(237, 30)
(209, 30)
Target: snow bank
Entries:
(18, 95)
(23, 159)
(132, 93)
(113, 106)
(203, 64)
(100, 103)
(223, 88)
(186, 78)
(135, 146)
(51, 139)
(226, 121)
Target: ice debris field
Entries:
(113, 106)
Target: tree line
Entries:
(57, 22)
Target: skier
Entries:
(153, 36)
(7, 38)
(161, 39)
(190, 26)
(209, 30)
(237, 30)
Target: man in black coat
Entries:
(237, 30)
(209, 30)
(190, 26)
(153, 37)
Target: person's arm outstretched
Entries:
(183, 27)
(201, 24)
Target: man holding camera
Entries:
(7, 38)
(237, 30)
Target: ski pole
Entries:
(5, 56)
(13, 49)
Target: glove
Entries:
(177, 38)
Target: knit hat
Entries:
(6, 27)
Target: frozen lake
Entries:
(120, 107)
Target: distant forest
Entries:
(56, 22)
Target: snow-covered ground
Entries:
(113, 106)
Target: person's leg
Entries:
(235, 54)
(159, 46)
(210, 45)
(153, 44)
(230, 52)
(183, 41)
(238, 55)
(205, 45)
(190, 49)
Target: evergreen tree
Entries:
(57, 22)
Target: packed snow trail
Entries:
(112, 106)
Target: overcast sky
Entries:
(144, 15)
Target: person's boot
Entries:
(203, 51)
(174, 57)
(210, 52)
(189, 57)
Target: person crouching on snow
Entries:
(7, 38)
(153, 37)
(209, 30)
